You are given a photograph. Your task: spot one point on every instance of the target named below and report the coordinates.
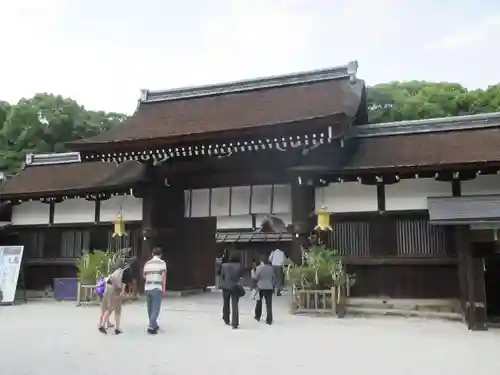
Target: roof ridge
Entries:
(51, 158)
(433, 125)
(348, 70)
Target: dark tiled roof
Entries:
(190, 117)
(478, 145)
(427, 149)
(46, 180)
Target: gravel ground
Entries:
(44, 337)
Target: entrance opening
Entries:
(492, 284)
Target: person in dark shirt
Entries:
(231, 273)
(265, 279)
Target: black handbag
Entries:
(240, 291)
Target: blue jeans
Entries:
(153, 302)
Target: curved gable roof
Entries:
(211, 110)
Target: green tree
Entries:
(413, 100)
(45, 123)
(4, 111)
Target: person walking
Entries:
(231, 273)
(254, 291)
(223, 258)
(155, 277)
(277, 259)
(265, 280)
(112, 300)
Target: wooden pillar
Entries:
(303, 202)
(162, 220)
(471, 278)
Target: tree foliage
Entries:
(413, 100)
(44, 123)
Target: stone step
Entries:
(404, 313)
(429, 305)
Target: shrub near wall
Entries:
(319, 285)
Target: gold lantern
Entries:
(323, 220)
(119, 226)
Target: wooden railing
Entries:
(314, 301)
(86, 294)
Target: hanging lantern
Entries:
(119, 226)
(323, 220)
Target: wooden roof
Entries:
(209, 111)
(465, 142)
(66, 179)
(459, 147)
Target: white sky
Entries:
(102, 53)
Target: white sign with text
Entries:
(10, 265)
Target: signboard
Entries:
(10, 265)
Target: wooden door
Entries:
(471, 278)
(190, 253)
(201, 251)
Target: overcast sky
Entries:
(102, 52)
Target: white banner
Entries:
(10, 265)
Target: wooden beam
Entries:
(456, 188)
(52, 210)
(381, 197)
(399, 261)
(212, 180)
(97, 210)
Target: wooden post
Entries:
(333, 290)
(79, 294)
(293, 302)
(341, 302)
(302, 217)
(471, 278)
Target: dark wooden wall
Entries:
(188, 244)
(197, 257)
(52, 252)
(397, 255)
(41, 276)
(405, 281)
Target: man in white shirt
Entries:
(277, 260)
(155, 276)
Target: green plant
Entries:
(323, 269)
(96, 264)
(118, 258)
(93, 265)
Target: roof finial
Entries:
(352, 70)
(144, 95)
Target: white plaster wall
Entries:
(482, 185)
(74, 211)
(347, 197)
(240, 200)
(187, 203)
(282, 199)
(261, 199)
(131, 208)
(200, 203)
(412, 194)
(30, 213)
(234, 222)
(235, 200)
(219, 202)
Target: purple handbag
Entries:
(99, 289)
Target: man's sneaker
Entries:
(152, 331)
